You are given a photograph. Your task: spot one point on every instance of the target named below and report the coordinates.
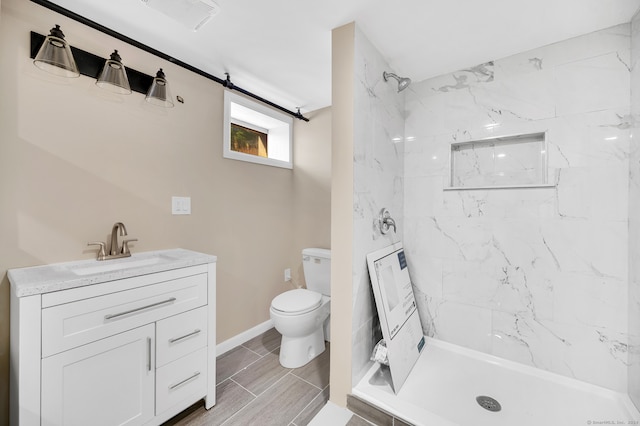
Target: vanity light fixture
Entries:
(114, 76)
(53, 54)
(159, 93)
(55, 57)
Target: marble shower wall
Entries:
(634, 219)
(537, 275)
(377, 183)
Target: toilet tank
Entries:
(316, 263)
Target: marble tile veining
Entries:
(539, 276)
(378, 179)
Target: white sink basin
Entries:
(114, 265)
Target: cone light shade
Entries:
(114, 76)
(55, 55)
(159, 93)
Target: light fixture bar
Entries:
(96, 26)
(91, 65)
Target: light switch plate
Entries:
(181, 205)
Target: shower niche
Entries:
(518, 161)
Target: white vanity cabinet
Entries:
(108, 382)
(129, 346)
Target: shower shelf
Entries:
(505, 162)
(471, 188)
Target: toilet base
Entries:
(298, 351)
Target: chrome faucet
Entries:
(114, 251)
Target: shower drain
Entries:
(488, 403)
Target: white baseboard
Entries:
(245, 336)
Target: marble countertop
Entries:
(62, 276)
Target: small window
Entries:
(256, 133)
(249, 141)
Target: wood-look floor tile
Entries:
(398, 422)
(230, 398)
(233, 361)
(368, 412)
(312, 409)
(264, 343)
(316, 372)
(278, 406)
(260, 375)
(357, 421)
(188, 416)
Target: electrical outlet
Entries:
(287, 274)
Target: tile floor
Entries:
(254, 389)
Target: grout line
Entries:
(276, 382)
(248, 365)
(288, 372)
(254, 395)
(310, 402)
(249, 349)
(306, 381)
(251, 402)
(244, 368)
(274, 349)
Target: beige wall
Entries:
(311, 188)
(74, 160)
(342, 210)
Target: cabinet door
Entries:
(108, 382)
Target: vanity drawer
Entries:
(185, 378)
(73, 324)
(180, 335)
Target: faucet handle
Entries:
(101, 253)
(125, 245)
(385, 221)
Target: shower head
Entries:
(403, 83)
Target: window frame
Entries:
(260, 109)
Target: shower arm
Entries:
(403, 82)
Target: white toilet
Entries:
(302, 315)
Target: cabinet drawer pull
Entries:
(177, 339)
(112, 316)
(196, 374)
(148, 353)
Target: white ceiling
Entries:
(281, 49)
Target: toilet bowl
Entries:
(299, 315)
(302, 315)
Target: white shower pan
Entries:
(445, 382)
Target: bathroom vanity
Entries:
(122, 342)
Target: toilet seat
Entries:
(296, 302)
